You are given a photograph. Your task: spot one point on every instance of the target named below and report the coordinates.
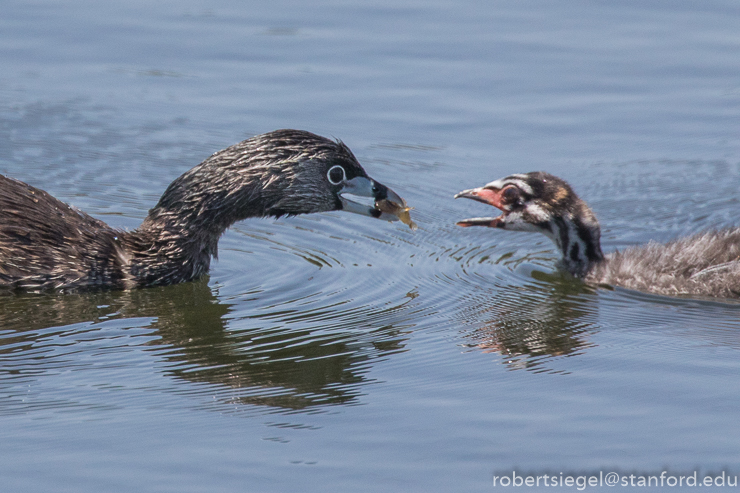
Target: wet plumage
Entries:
(47, 244)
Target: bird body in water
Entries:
(46, 244)
(705, 264)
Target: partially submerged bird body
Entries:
(47, 244)
(705, 264)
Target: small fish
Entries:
(401, 211)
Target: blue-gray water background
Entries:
(339, 353)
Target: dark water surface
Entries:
(338, 353)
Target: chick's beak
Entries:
(490, 196)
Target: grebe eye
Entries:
(510, 194)
(336, 175)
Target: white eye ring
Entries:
(331, 171)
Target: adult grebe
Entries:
(46, 244)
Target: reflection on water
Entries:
(532, 322)
(274, 361)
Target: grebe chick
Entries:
(46, 244)
(705, 264)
